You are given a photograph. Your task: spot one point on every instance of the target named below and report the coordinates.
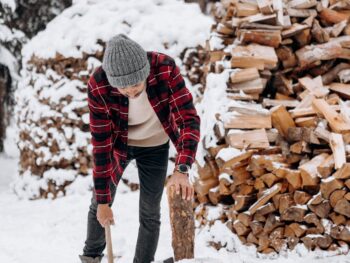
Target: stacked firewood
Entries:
(52, 116)
(281, 160)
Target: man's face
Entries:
(132, 91)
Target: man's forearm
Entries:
(186, 118)
(101, 140)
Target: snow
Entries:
(228, 153)
(314, 198)
(7, 34)
(226, 176)
(204, 260)
(9, 3)
(328, 179)
(327, 224)
(215, 42)
(214, 92)
(9, 60)
(152, 23)
(304, 207)
(214, 212)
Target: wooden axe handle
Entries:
(109, 243)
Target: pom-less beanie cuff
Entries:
(129, 79)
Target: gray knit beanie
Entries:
(125, 62)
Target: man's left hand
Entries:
(181, 181)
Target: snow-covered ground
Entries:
(54, 231)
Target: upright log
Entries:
(182, 224)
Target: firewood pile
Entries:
(52, 116)
(280, 164)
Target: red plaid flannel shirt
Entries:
(171, 101)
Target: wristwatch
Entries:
(182, 168)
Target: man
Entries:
(138, 102)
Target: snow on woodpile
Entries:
(52, 112)
(275, 123)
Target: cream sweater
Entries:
(144, 127)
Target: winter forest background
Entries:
(48, 49)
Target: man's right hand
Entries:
(104, 215)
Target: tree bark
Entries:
(182, 224)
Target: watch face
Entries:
(183, 168)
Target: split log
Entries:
(296, 134)
(336, 121)
(182, 224)
(247, 139)
(308, 55)
(253, 19)
(343, 207)
(342, 89)
(333, 16)
(298, 229)
(281, 120)
(322, 210)
(294, 213)
(288, 58)
(337, 145)
(301, 197)
(314, 86)
(310, 122)
(248, 121)
(328, 77)
(202, 187)
(254, 55)
(336, 196)
(242, 202)
(265, 197)
(242, 75)
(246, 9)
(343, 172)
(294, 30)
(265, 37)
(326, 168)
(320, 34)
(308, 171)
(255, 86)
(290, 103)
(329, 185)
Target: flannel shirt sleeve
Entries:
(101, 140)
(186, 118)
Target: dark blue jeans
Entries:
(152, 164)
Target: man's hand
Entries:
(180, 181)
(104, 215)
